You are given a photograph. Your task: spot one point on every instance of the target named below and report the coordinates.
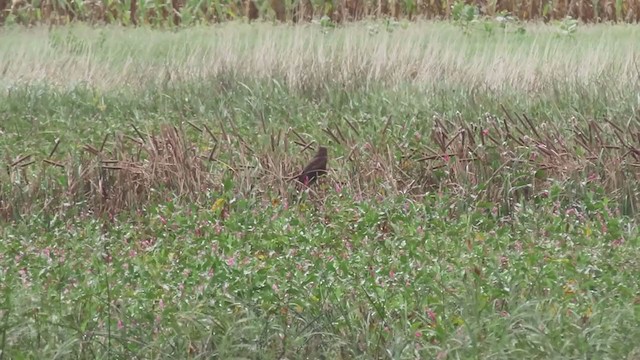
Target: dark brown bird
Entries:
(317, 167)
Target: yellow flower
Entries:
(218, 205)
(570, 287)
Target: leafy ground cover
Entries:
(482, 202)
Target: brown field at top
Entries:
(175, 12)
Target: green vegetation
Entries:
(482, 200)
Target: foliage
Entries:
(165, 13)
(158, 220)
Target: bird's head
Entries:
(322, 151)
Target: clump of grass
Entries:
(505, 161)
(132, 172)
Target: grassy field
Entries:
(482, 200)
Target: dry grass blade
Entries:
(137, 141)
(138, 132)
(520, 142)
(20, 159)
(212, 152)
(459, 133)
(54, 163)
(302, 141)
(344, 141)
(386, 127)
(55, 147)
(272, 142)
(352, 127)
(194, 126)
(104, 142)
(305, 146)
(210, 134)
(533, 128)
(224, 132)
(328, 132)
(90, 149)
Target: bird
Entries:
(317, 167)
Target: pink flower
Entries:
(418, 334)
(120, 325)
(338, 188)
(231, 261)
(617, 242)
(485, 132)
(432, 315)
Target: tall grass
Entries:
(429, 55)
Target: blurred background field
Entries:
(191, 12)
